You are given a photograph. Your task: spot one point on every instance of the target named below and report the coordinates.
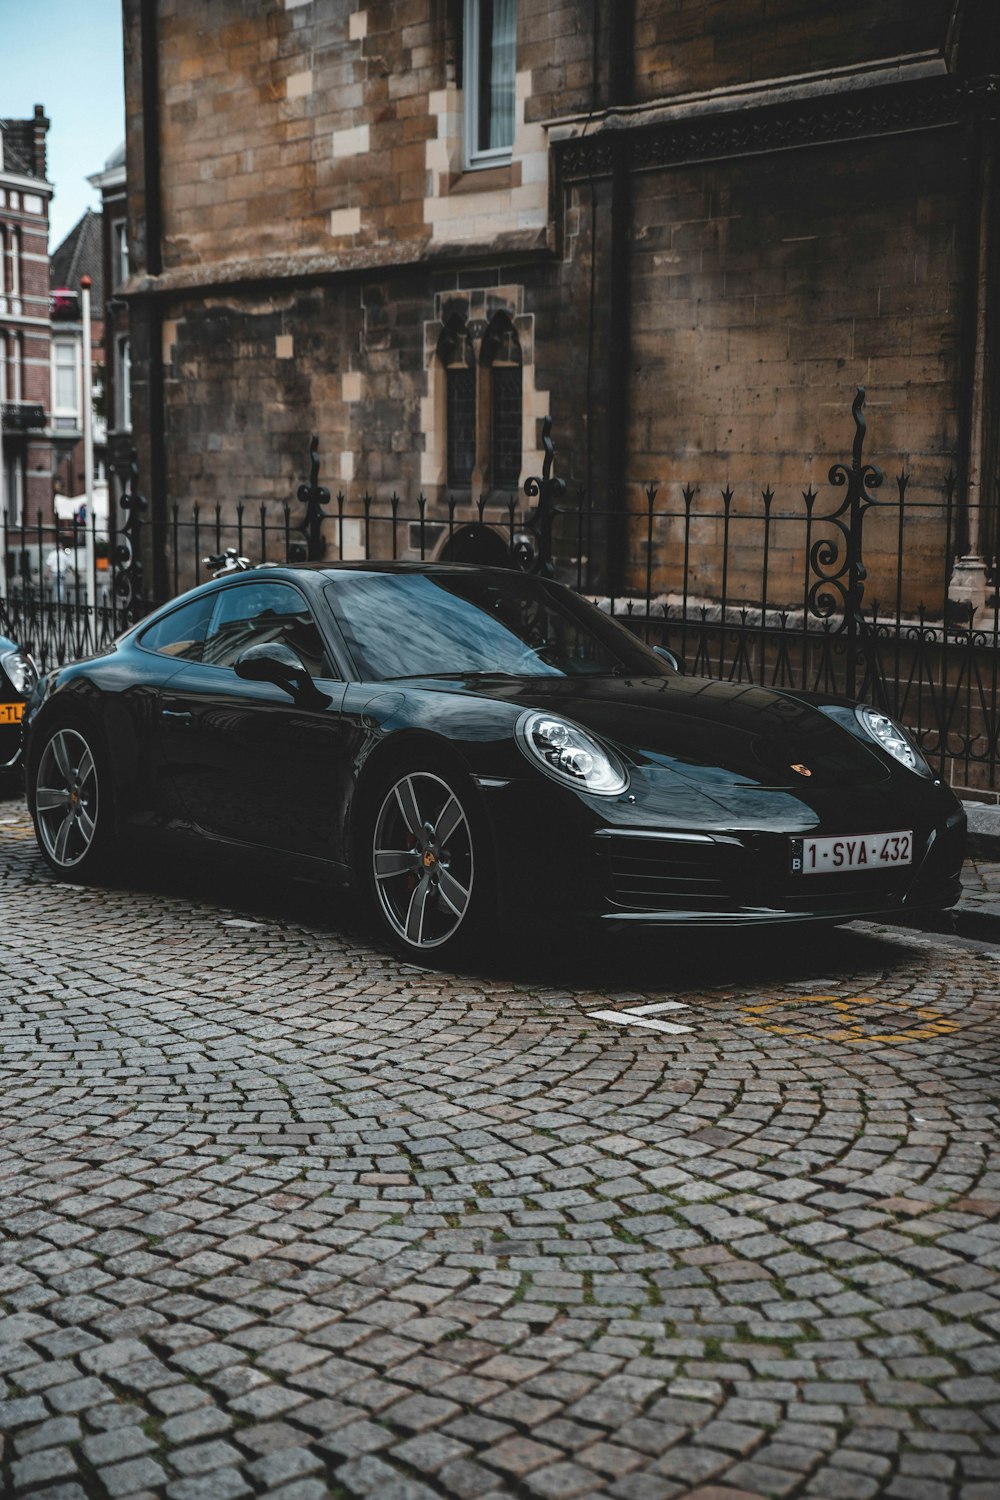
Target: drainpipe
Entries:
(156, 560)
(621, 92)
(88, 453)
(968, 587)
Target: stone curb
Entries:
(984, 829)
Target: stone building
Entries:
(686, 230)
(25, 342)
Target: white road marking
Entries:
(650, 1010)
(640, 1015)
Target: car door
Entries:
(247, 762)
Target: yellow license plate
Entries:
(11, 713)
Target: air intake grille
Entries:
(663, 875)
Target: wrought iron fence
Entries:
(752, 589)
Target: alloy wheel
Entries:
(66, 798)
(422, 860)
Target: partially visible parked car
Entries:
(17, 678)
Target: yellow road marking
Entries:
(933, 1023)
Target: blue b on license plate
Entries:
(860, 851)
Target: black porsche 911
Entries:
(474, 749)
(17, 678)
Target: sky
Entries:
(67, 56)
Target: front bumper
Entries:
(744, 880)
(568, 860)
(10, 746)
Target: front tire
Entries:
(72, 803)
(427, 859)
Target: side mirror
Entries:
(672, 658)
(272, 661)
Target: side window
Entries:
(181, 633)
(249, 614)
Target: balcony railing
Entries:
(21, 416)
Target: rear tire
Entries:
(72, 802)
(425, 856)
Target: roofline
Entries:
(107, 178)
(30, 184)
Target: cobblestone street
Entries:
(284, 1215)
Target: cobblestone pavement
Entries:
(283, 1215)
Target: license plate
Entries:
(859, 851)
(11, 713)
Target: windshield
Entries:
(478, 623)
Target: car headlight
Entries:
(21, 670)
(887, 733)
(569, 754)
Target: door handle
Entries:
(178, 717)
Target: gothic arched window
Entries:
(501, 355)
(454, 350)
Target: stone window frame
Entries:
(466, 346)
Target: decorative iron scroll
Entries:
(836, 594)
(314, 497)
(532, 546)
(127, 575)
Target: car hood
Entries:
(713, 733)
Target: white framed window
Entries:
(489, 66)
(119, 250)
(15, 384)
(13, 272)
(123, 384)
(65, 383)
(12, 488)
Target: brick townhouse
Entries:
(116, 351)
(686, 229)
(74, 258)
(25, 341)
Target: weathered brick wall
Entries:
(247, 383)
(322, 143)
(762, 296)
(686, 46)
(248, 380)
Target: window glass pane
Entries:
(123, 394)
(182, 632)
(502, 67)
(121, 247)
(64, 396)
(505, 466)
(461, 419)
(495, 69)
(251, 613)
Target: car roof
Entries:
(415, 566)
(399, 568)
